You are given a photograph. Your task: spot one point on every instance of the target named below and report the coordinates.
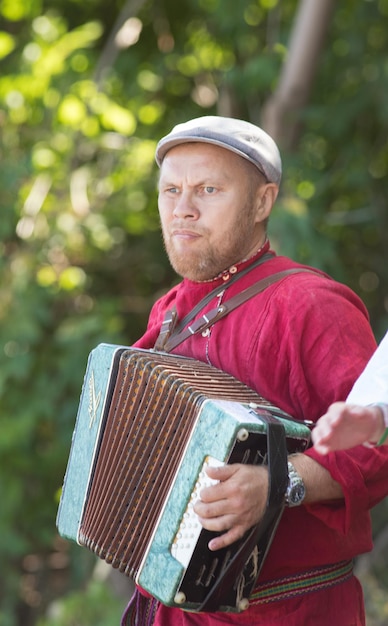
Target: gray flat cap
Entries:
(243, 138)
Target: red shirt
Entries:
(301, 344)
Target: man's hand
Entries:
(238, 501)
(235, 504)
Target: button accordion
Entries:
(148, 425)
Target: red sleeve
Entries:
(325, 343)
(313, 340)
(363, 476)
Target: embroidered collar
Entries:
(233, 269)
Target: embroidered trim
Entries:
(233, 269)
(305, 582)
(140, 611)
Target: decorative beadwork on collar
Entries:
(233, 269)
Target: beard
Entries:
(196, 265)
(207, 260)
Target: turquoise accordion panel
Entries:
(214, 435)
(94, 395)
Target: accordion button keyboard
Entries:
(190, 528)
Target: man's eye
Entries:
(209, 189)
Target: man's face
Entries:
(209, 205)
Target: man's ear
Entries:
(266, 197)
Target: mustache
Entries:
(185, 228)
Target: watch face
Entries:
(296, 490)
(297, 494)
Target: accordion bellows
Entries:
(147, 425)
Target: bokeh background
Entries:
(86, 90)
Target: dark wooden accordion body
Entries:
(148, 425)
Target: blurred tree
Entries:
(282, 111)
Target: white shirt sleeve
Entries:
(372, 385)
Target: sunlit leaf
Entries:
(7, 44)
(118, 118)
(71, 111)
(72, 278)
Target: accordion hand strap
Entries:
(169, 338)
(261, 535)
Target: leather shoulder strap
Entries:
(201, 305)
(171, 339)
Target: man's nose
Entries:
(185, 206)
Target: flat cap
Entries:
(241, 137)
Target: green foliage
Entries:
(95, 606)
(81, 257)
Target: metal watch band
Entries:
(296, 490)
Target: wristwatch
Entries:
(296, 490)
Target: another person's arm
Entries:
(345, 426)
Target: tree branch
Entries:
(281, 113)
(111, 50)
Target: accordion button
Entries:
(180, 598)
(242, 434)
(243, 604)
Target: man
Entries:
(298, 343)
(345, 426)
